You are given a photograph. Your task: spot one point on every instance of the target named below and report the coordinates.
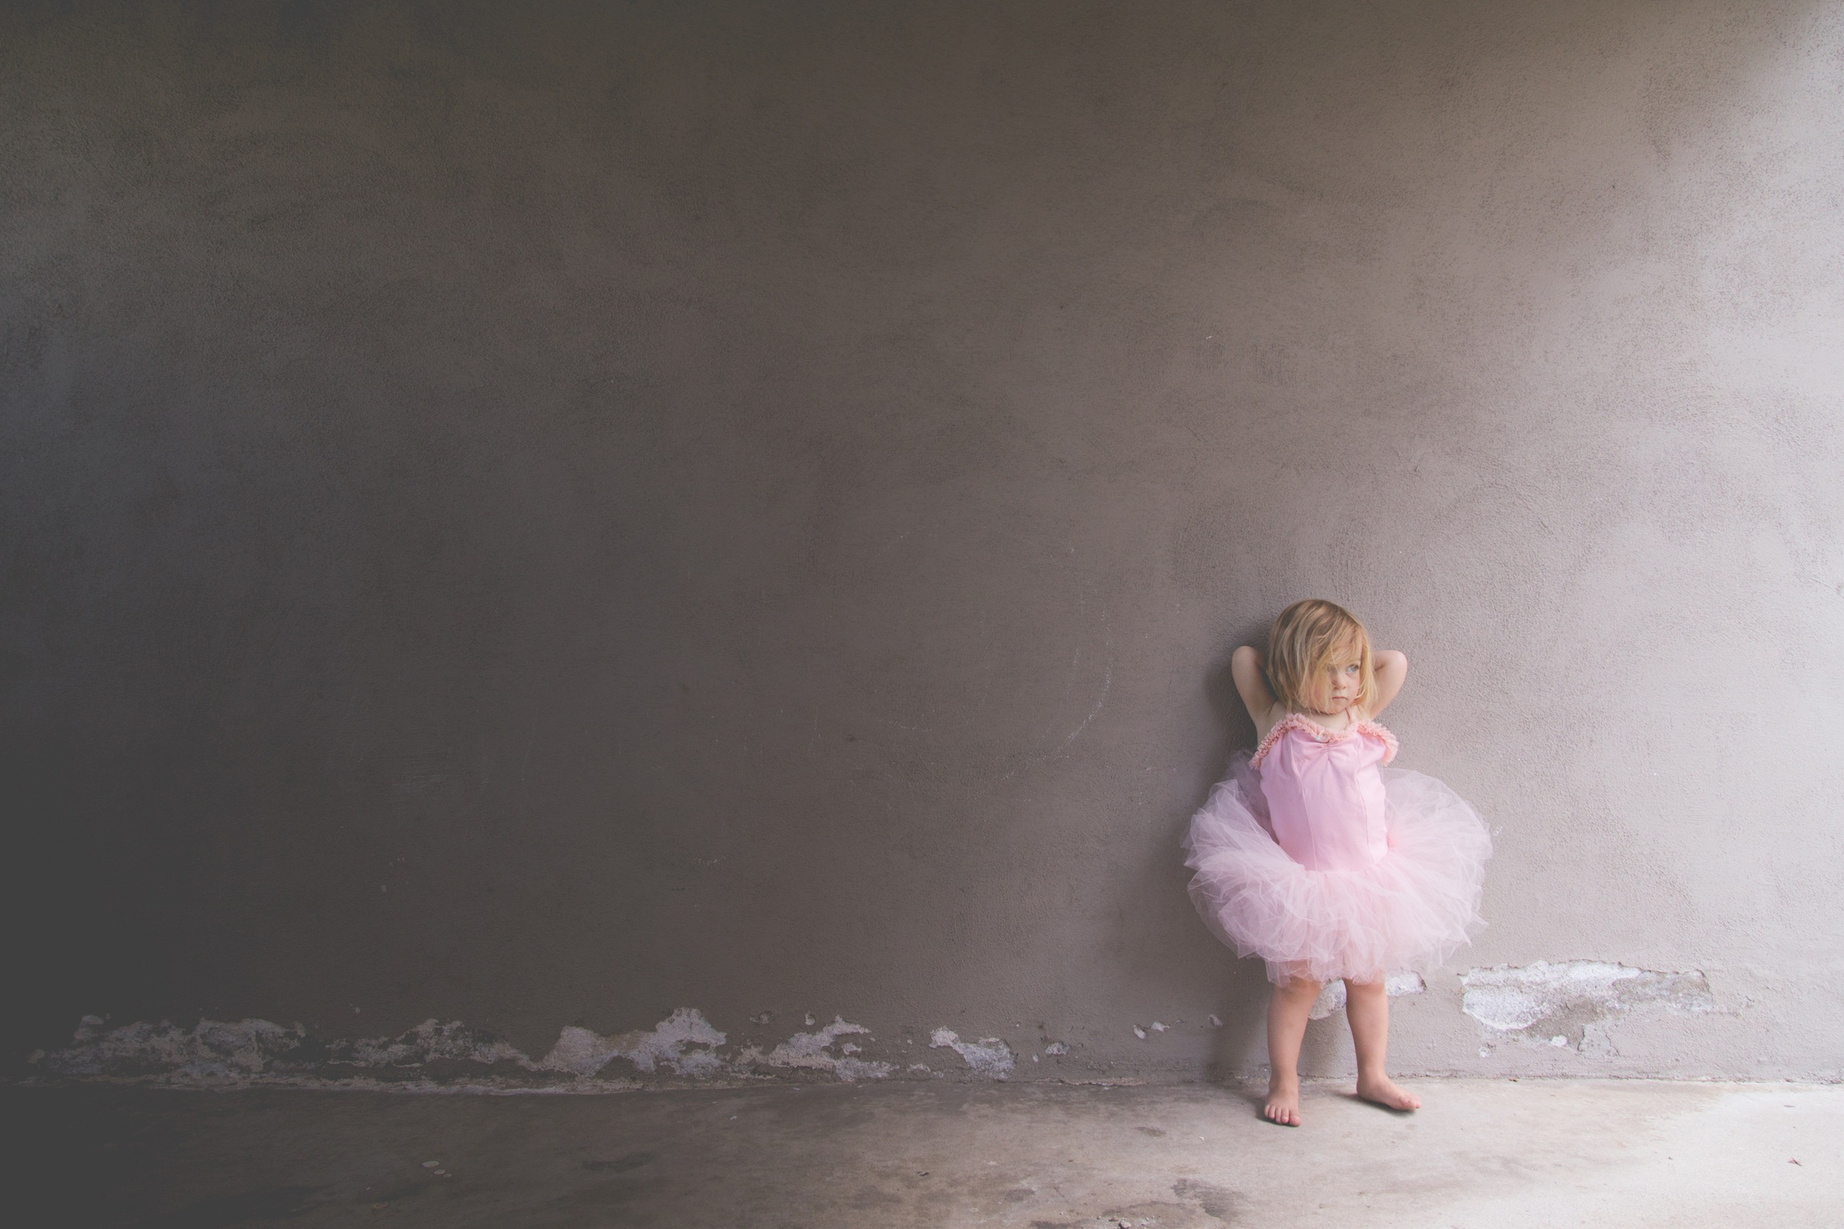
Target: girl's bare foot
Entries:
(1384, 1092)
(1283, 1106)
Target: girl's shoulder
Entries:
(1266, 722)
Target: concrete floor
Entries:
(1492, 1154)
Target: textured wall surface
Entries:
(543, 516)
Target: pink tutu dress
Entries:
(1325, 863)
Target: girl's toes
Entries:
(1281, 1113)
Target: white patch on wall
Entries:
(451, 1056)
(989, 1056)
(260, 1051)
(427, 1042)
(1332, 994)
(213, 1050)
(684, 1043)
(1567, 1005)
(811, 1051)
(439, 1056)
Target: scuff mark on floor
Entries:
(1567, 1005)
(989, 1056)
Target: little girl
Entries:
(1315, 858)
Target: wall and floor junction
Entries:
(696, 542)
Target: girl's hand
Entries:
(1391, 669)
(1246, 667)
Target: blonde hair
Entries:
(1308, 637)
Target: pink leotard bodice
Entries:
(1325, 791)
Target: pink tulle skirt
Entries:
(1409, 910)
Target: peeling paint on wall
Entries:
(684, 1042)
(426, 1043)
(1332, 994)
(989, 1056)
(244, 1051)
(212, 1049)
(436, 1055)
(809, 1051)
(1567, 1004)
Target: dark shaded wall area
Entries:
(549, 514)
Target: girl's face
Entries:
(1337, 687)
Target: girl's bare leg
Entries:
(1367, 1008)
(1288, 1006)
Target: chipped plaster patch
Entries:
(427, 1042)
(684, 1042)
(989, 1056)
(451, 1057)
(263, 1052)
(809, 1050)
(1567, 1004)
(213, 1050)
(436, 1056)
(1332, 994)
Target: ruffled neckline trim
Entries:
(1318, 733)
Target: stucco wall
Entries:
(547, 515)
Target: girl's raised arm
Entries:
(1245, 667)
(1392, 670)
